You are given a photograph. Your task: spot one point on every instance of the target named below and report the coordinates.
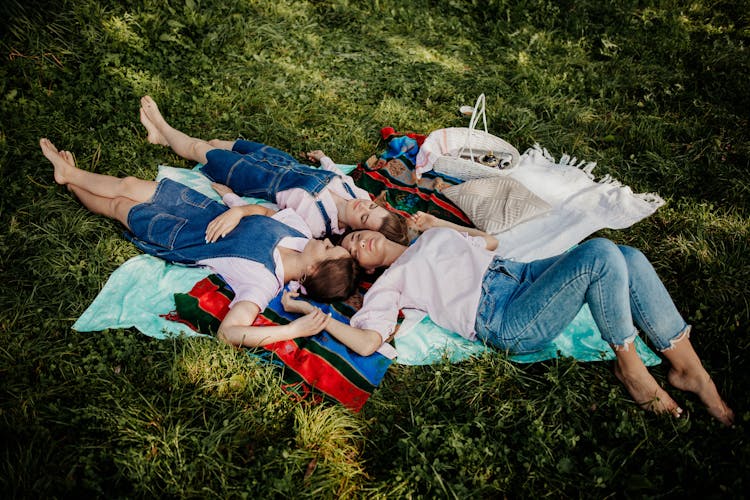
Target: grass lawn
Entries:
(656, 92)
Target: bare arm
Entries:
(325, 162)
(423, 221)
(236, 328)
(226, 222)
(363, 342)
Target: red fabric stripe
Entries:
(415, 190)
(329, 381)
(204, 286)
(214, 303)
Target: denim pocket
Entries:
(270, 156)
(163, 230)
(498, 286)
(194, 198)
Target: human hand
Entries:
(310, 324)
(221, 189)
(288, 300)
(423, 221)
(223, 224)
(315, 155)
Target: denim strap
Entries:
(326, 218)
(349, 190)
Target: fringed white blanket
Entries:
(580, 205)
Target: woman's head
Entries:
(371, 249)
(331, 272)
(332, 280)
(365, 214)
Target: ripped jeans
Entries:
(524, 306)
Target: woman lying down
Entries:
(455, 277)
(265, 250)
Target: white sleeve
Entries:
(250, 280)
(292, 219)
(379, 311)
(327, 164)
(233, 200)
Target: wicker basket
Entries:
(467, 165)
(467, 153)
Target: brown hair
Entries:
(333, 279)
(395, 228)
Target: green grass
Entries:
(656, 92)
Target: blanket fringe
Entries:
(587, 167)
(565, 161)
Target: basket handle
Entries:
(479, 111)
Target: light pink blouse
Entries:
(250, 280)
(441, 274)
(305, 204)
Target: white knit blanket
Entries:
(580, 205)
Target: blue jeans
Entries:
(254, 169)
(524, 306)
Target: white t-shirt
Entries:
(251, 280)
(441, 274)
(305, 204)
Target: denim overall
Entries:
(254, 169)
(172, 226)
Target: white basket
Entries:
(462, 166)
(459, 151)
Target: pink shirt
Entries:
(305, 204)
(252, 281)
(441, 274)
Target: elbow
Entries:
(221, 334)
(492, 243)
(373, 343)
(225, 335)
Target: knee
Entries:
(128, 186)
(602, 248)
(119, 208)
(634, 257)
(604, 252)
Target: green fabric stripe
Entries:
(340, 364)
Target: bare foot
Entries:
(152, 114)
(61, 161)
(154, 136)
(646, 391)
(219, 144)
(701, 384)
(68, 157)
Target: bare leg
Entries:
(188, 147)
(220, 144)
(641, 385)
(154, 136)
(114, 208)
(106, 186)
(688, 374)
